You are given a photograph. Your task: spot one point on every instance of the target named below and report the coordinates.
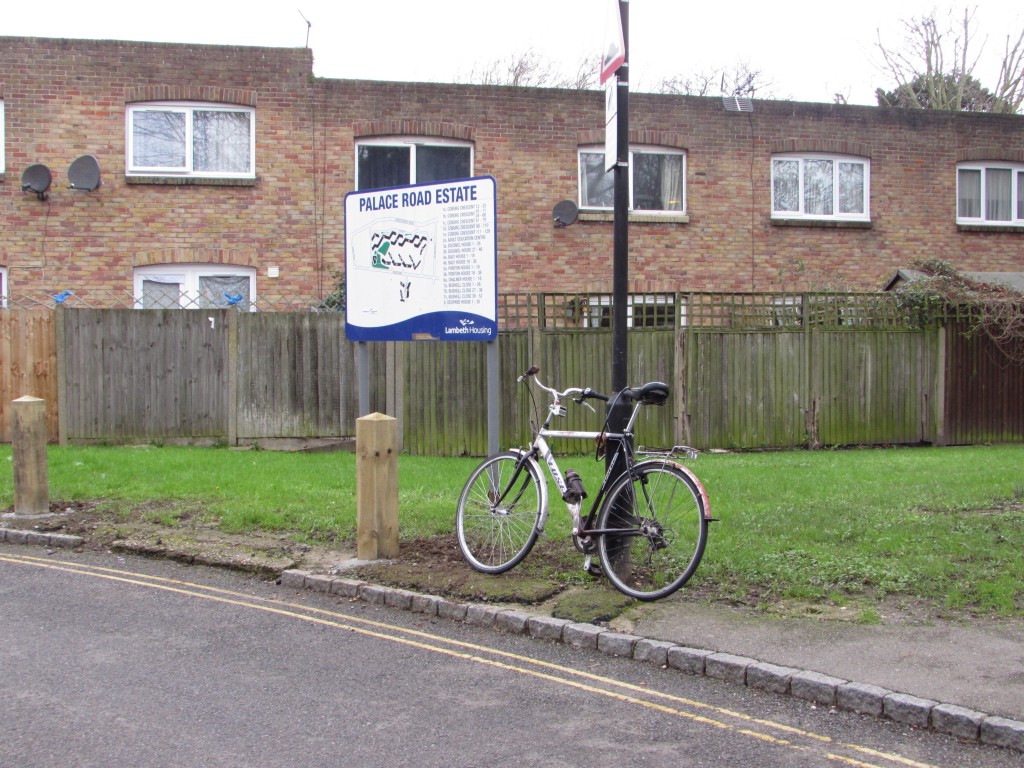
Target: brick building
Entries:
(224, 172)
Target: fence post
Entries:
(60, 318)
(376, 487)
(28, 447)
(938, 403)
(232, 373)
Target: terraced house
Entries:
(223, 172)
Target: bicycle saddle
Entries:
(652, 393)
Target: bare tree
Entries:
(532, 70)
(738, 80)
(935, 69)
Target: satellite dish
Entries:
(36, 178)
(565, 213)
(84, 173)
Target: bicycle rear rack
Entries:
(675, 452)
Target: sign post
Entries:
(617, 143)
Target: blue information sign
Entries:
(421, 262)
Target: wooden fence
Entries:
(747, 371)
(28, 364)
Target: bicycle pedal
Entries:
(591, 567)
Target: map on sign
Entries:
(421, 262)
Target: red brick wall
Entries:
(528, 139)
(66, 98)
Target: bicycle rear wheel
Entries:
(498, 514)
(660, 531)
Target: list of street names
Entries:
(465, 236)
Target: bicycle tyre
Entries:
(665, 531)
(496, 537)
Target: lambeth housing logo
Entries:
(467, 327)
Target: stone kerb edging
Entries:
(53, 540)
(812, 686)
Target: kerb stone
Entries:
(582, 635)
(547, 628)
(728, 667)
(513, 622)
(652, 651)
(816, 687)
(907, 709)
(689, 660)
(1002, 732)
(957, 721)
(293, 579)
(616, 643)
(862, 698)
(770, 677)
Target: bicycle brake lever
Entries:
(581, 401)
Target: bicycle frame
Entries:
(539, 447)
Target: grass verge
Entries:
(848, 528)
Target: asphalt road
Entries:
(108, 660)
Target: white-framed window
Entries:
(643, 310)
(657, 180)
(990, 193)
(185, 139)
(4, 290)
(821, 187)
(194, 286)
(397, 162)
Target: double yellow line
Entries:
(728, 720)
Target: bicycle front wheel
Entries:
(655, 531)
(499, 513)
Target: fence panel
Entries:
(154, 375)
(747, 389)
(984, 389)
(28, 365)
(445, 398)
(296, 376)
(582, 358)
(514, 356)
(874, 387)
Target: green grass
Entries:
(942, 524)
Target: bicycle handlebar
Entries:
(576, 393)
(652, 393)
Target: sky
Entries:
(806, 51)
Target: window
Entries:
(194, 286)
(197, 140)
(393, 162)
(820, 187)
(656, 310)
(4, 291)
(656, 179)
(990, 194)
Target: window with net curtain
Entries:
(820, 187)
(198, 140)
(194, 287)
(397, 163)
(656, 180)
(990, 194)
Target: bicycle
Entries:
(647, 524)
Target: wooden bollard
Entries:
(376, 487)
(28, 451)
